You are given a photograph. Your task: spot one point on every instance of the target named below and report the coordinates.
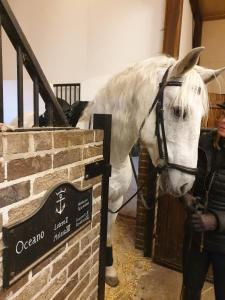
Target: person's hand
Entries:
(202, 222)
(190, 202)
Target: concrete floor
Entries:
(140, 278)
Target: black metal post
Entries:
(103, 122)
(78, 93)
(1, 76)
(20, 86)
(36, 102)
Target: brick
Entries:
(65, 260)
(92, 151)
(94, 295)
(95, 258)
(76, 172)
(99, 135)
(25, 210)
(95, 270)
(77, 184)
(48, 181)
(60, 139)
(42, 141)
(17, 143)
(93, 181)
(57, 252)
(97, 191)
(79, 288)
(2, 171)
(96, 207)
(53, 287)
(41, 266)
(66, 157)
(1, 145)
(18, 168)
(63, 293)
(6, 294)
(33, 287)
(14, 193)
(1, 222)
(96, 220)
(76, 137)
(78, 236)
(85, 269)
(88, 136)
(74, 266)
(88, 238)
(95, 245)
(67, 139)
(89, 291)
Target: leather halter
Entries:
(164, 163)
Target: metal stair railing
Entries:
(26, 57)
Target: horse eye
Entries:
(178, 113)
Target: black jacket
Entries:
(211, 178)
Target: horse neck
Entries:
(122, 139)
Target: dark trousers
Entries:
(195, 267)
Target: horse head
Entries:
(184, 103)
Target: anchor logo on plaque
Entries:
(61, 198)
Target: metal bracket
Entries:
(97, 168)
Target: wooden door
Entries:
(171, 214)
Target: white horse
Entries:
(128, 96)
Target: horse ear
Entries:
(208, 74)
(187, 63)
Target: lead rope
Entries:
(205, 208)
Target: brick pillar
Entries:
(145, 217)
(143, 178)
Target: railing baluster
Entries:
(56, 92)
(36, 102)
(66, 93)
(1, 76)
(79, 92)
(70, 95)
(49, 109)
(20, 86)
(61, 92)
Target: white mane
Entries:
(188, 95)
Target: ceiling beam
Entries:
(197, 35)
(214, 17)
(173, 18)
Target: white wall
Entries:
(213, 33)
(85, 40)
(186, 29)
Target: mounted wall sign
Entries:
(64, 211)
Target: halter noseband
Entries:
(164, 163)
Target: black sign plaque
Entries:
(64, 211)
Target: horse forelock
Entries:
(193, 89)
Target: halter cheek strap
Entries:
(164, 163)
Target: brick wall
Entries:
(31, 163)
(145, 219)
